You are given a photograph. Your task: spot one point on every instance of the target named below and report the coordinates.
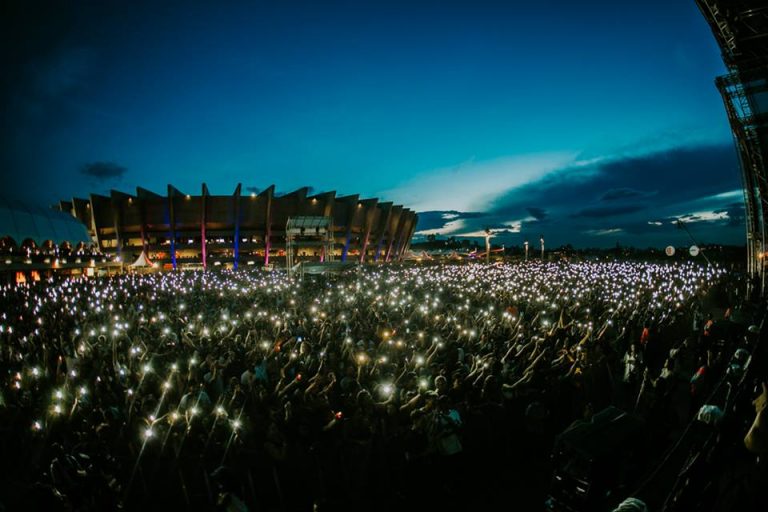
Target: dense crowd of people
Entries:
(250, 390)
(30, 252)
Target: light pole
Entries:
(526, 250)
(542, 247)
(681, 225)
(488, 235)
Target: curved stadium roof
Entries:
(21, 221)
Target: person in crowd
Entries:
(631, 505)
(756, 440)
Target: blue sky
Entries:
(587, 122)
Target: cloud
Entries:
(432, 220)
(494, 232)
(623, 193)
(604, 232)
(731, 194)
(449, 228)
(679, 175)
(537, 213)
(470, 185)
(699, 184)
(701, 216)
(252, 190)
(609, 211)
(103, 171)
(736, 214)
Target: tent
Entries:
(142, 262)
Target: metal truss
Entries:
(741, 29)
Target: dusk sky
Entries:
(591, 123)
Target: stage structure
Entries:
(741, 30)
(179, 230)
(315, 233)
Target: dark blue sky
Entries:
(588, 122)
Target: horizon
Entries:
(534, 247)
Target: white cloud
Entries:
(603, 232)
(481, 232)
(731, 194)
(703, 209)
(448, 229)
(471, 227)
(701, 216)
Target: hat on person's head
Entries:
(709, 414)
(631, 505)
(741, 355)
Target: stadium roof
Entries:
(21, 221)
(308, 222)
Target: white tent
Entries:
(417, 256)
(142, 261)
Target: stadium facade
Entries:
(179, 230)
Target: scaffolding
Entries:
(747, 128)
(303, 232)
(741, 30)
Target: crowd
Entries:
(250, 390)
(30, 252)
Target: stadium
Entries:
(182, 230)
